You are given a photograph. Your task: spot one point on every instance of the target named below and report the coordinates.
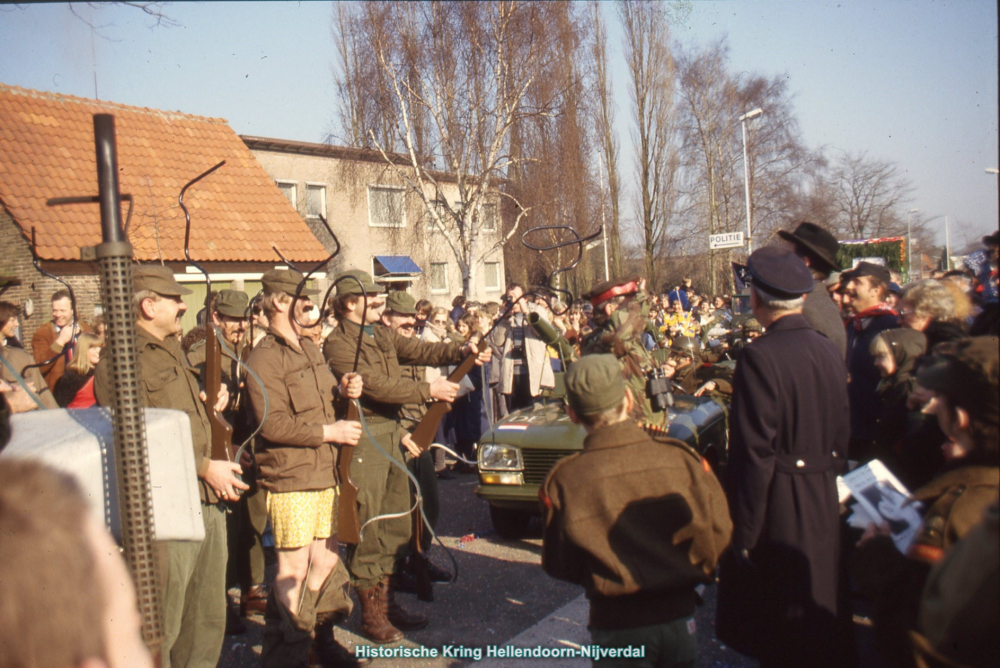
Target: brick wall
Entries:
(15, 260)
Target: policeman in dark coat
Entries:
(779, 582)
(818, 249)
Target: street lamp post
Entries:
(746, 171)
(909, 245)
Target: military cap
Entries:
(967, 371)
(752, 325)
(595, 384)
(615, 287)
(817, 241)
(687, 345)
(232, 303)
(867, 269)
(351, 287)
(285, 280)
(833, 280)
(401, 302)
(158, 279)
(779, 272)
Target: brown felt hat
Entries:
(158, 279)
(817, 241)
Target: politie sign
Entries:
(727, 240)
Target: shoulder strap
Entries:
(20, 381)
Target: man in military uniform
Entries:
(298, 468)
(621, 312)
(778, 590)
(194, 575)
(638, 521)
(384, 487)
(400, 316)
(248, 519)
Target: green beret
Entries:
(401, 302)
(595, 384)
(351, 287)
(232, 303)
(285, 280)
(158, 279)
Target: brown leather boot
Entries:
(253, 600)
(394, 612)
(374, 624)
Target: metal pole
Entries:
(746, 186)
(947, 246)
(604, 237)
(909, 246)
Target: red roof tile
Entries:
(47, 150)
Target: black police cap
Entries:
(779, 272)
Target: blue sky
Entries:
(912, 82)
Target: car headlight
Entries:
(498, 457)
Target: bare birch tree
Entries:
(651, 71)
(445, 85)
(870, 196)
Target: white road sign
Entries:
(727, 240)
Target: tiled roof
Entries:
(47, 150)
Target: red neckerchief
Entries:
(879, 309)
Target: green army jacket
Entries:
(19, 359)
(621, 336)
(382, 353)
(166, 380)
(300, 394)
(638, 521)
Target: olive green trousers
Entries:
(382, 489)
(674, 644)
(193, 595)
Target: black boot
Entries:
(326, 652)
(394, 612)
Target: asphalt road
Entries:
(502, 597)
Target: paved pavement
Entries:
(502, 598)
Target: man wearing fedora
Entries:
(778, 584)
(194, 573)
(817, 248)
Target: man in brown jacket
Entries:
(638, 521)
(55, 339)
(193, 584)
(298, 466)
(384, 486)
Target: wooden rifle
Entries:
(222, 431)
(423, 435)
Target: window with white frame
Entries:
(386, 206)
(491, 276)
(439, 277)
(287, 189)
(488, 217)
(315, 200)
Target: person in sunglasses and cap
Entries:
(778, 588)
(193, 581)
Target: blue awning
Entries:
(397, 265)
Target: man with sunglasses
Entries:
(383, 486)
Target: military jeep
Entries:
(520, 450)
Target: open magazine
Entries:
(881, 498)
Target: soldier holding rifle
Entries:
(298, 468)
(384, 487)
(194, 574)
